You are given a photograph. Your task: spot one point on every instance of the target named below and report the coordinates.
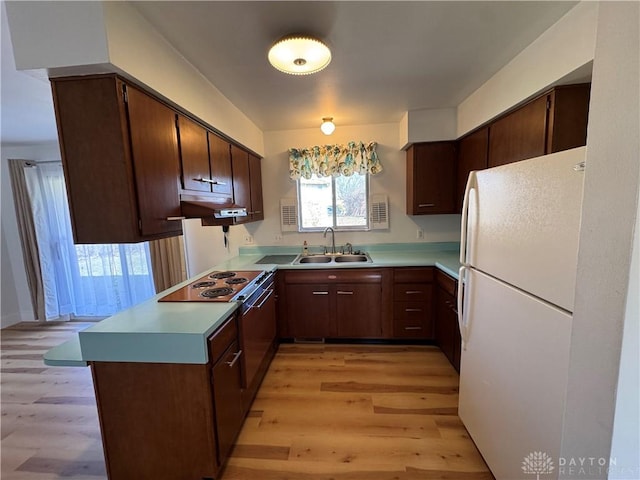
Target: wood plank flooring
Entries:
(323, 412)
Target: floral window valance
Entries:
(334, 160)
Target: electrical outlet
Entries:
(278, 237)
(248, 239)
(420, 234)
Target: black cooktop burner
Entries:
(235, 281)
(216, 292)
(219, 275)
(203, 284)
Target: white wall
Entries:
(608, 218)
(133, 42)
(16, 302)
(625, 446)
(204, 244)
(428, 125)
(567, 46)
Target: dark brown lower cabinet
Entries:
(227, 397)
(170, 421)
(412, 303)
(447, 331)
(157, 420)
(308, 310)
(358, 310)
(334, 303)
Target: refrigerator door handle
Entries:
(464, 257)
(462, 324)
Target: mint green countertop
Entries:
(177, 332)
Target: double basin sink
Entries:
(333, 258)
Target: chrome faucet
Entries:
(333, 238)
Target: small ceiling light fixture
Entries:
(299, 55)
(327, 125)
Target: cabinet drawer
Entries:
(447, 283)
(365, 275)
(223, 337)
(413, 275)
(412, 320)
(412, 292)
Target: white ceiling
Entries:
(388, 57)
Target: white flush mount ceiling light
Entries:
(327, 125)
(299, 55)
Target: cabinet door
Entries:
(519, 135)
(473, 153)
(359, 310)
(156, 162)
(255, 177)
(444, 325)
(227, 397)
(220, 158)
(431, 177)
(194, 155)
(308, 311)
(241, 181)
(570, 114)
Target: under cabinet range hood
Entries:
(230, 212)
(198, 208)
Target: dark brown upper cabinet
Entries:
(431, 175)
(120, 157)
(554, 121)
(206, 162)
(247, 184)
(473, 150)
(220, 161)
(194, 155)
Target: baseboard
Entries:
(11, 319)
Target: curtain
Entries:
(26, 229)
(168, 262)
(81, 280)
(334, 160)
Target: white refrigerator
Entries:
(519, 247)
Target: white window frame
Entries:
(355, 228)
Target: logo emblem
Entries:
(537, 463)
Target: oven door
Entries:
(258, 334)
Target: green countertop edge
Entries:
(67, 354)
(99, 343)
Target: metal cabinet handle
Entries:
(236, 356)
(343, 292)
(208, 180)
(174, 219)
(321, 293)
(422, 205)
(413, 292)
(412, 309)
(413, 328)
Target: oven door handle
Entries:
(269, 293)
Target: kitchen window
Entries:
(339, 202)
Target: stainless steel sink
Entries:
(337, 258)
(351, 258)
(314, 259)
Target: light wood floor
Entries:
(324, 412)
